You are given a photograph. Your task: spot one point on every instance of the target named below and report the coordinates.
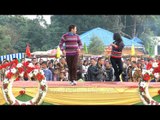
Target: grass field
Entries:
(25, 98)
(156, 98)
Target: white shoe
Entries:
(73, 83)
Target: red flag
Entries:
(28, 53)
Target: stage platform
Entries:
(85, 93)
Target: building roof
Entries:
(137, 40)
(106, 36)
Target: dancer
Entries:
(116, 55)
(71, 49)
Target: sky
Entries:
(46, 17)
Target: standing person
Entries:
(85, 69)
(71, 50)
(116, 55)
(47, 72)
(109, 72)
(100, 69)
(92, 70)
(34, 60)
(50, 67)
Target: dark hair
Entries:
(93, 59)
(44, 62)
(50, 63)
(117, 37)
(36, 63)
(85, 61)
(134, 62)
(33, 58)
(71, 27)
(58, 64)
(100, 58)
(28, 61)
(62, 58)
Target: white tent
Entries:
(49, 53)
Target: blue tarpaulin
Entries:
(137, 40)
(106, 37)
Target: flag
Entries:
(85, 48)
(19, 60)
(132, 50)
(28, 53)
(58, 54)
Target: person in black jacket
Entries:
(108, 71)
(92, 70)
(116, 55)
(100, 69)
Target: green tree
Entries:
(18, 30)
(35, 35)
(85, 48)
(96, 46)
(5, 43)
(55, 32)
(146, 36)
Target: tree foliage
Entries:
(17, 30)
(96, 46)
(5, 42)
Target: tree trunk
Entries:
(134, 26)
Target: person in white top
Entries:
(84, 70)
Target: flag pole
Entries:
(24, 57)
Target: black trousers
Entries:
(118, 67)
(72, 66)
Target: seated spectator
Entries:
(34, 60)
(56, 74)
(37, 65)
